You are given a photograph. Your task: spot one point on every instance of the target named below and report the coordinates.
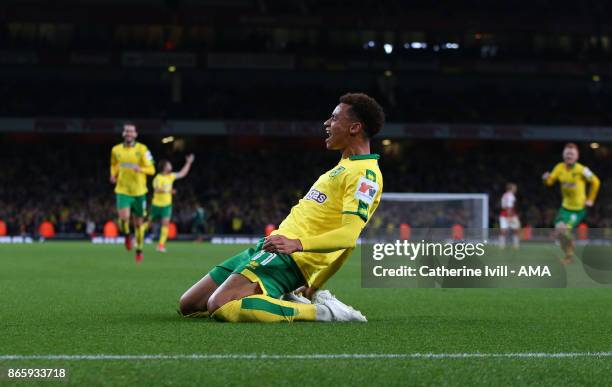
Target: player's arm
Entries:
(185, 170)
(551, 177)
(114, 168)
(355, 205)
(146, 163)
(594, 184)
(344, 237)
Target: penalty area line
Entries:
(321, 356)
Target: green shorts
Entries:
(161, 212)
(571, 218)
(276, 274)
(137, 204)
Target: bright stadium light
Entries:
(388, 73)
(386, 142)
(371, 43)
(418, 45)
(596, 78)
(388, 48)
(451, 46)
(171, 69)
(167, 140)
(594, 145)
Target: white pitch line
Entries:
(350, 356)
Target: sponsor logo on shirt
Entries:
(316, 196)
(366, 190)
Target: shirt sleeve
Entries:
(146, 162)
(344, 237)
(114, 167)
(360, 192)
(594, 182)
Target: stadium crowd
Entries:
(422, 99)
(245, 187)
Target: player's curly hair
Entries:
(365, 109)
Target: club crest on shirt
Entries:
(366, 190)
(337, 171)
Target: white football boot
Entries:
(339, 311)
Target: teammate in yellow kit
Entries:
(573, 177)
(130, 163)
(313, 241)
(161, 206)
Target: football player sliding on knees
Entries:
(311, 244)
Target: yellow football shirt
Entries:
(163, 183)
(122, 160)
(573, 184)
(354, 186)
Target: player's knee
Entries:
(213, 304)
(189, 305)
(216, 301)
(186, 306)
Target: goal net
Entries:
(431, 211)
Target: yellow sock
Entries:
(163, 235)
(260, 308)
(140, 231)
(124, 227)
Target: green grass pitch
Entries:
(83, 299)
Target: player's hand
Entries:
(281, 244)
(113, 179)
(307, 291)
(189, 158)
(136, 168)
(545, 175)
(588, 203)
